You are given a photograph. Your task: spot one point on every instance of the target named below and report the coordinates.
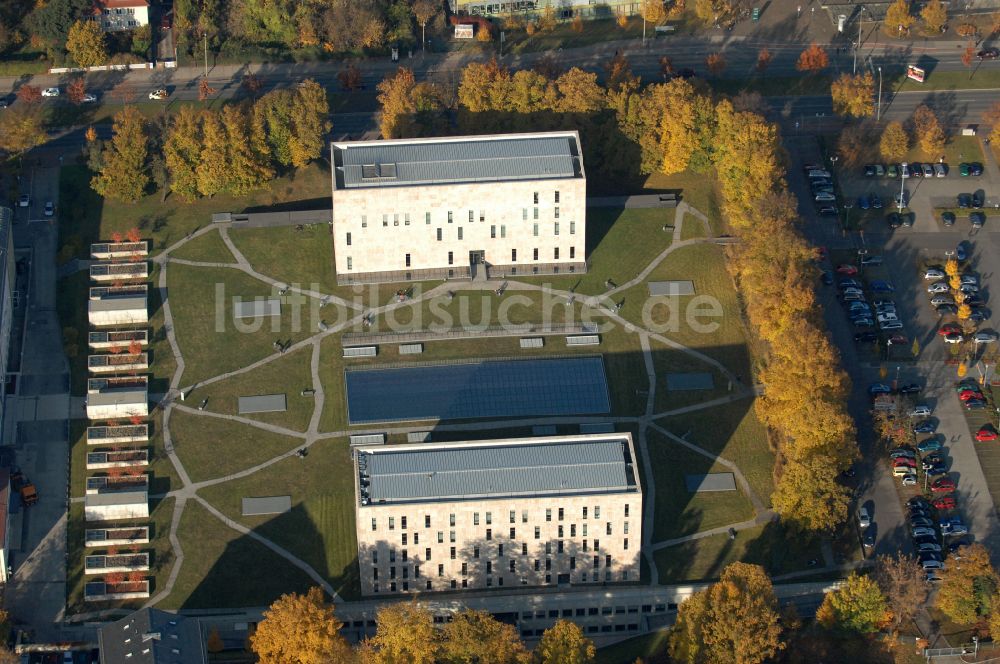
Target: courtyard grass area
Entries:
(956, 150)
(650, 648)
(734, 433)
(683, 318)
(288, 375)
(320, 526)
(303, 258)
(226, 569)
(85, 217)
(697, 190)
(667, 360)
(211, 339)
(161, 555)
(769, 545)
(210, 447)
(619, 244)
(206, 248)
(679, 512)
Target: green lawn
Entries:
(225, 569)
(650, 648)
(206, 248)
(711, 321)
(288, 375)
(563, 35)
(620, 243)
(211, 340)
(303, 258)
(210, 447)
(161, 558)
(86, 217)
(769, 545)
(679, 512)
(320, 527)
(734, 433)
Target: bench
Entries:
(583, 340)
(368, 439)
(361, 351)
(532, 342)
(411, 349)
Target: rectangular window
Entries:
(475, 518)
(404, 539)
(548, 514)
(556, 228)
(459, 232)
(513, 534)
(584, 530)
(375, 556)
(439, 234)
(548, 547)
(402, 522)
(482, 215)
(395, 220)
(625, 528)
(489, 533)
(511, 565)
(450, 217)
(513, 516)
(416, 571)
(500, 550)
(572, 252)
(373, 525)
(489, 518)
(364, 221)
(348, 239)
(534, 230)
(548, 565)
(385, 220)
(560, 531)
(535, 198)
(597, 545)
(555, 213)
(392, 555)
(597, 512)
(535, 214)
(406, 219)
(475, 552)
(524, 213)
(524, 516)
(584, 545)
(416, 538)
(626, 544)
(561, 514)
(350, 263)
(572, 562)
(472, 216)
(451, 536)
(427, 218)
(572, 228)
(503, 231)
(451, 519)
(375, 573)
(537, 565)
(404, 555)
(538, 532)
(440, 569)
(626, 510)
(451, 258)
(489, 567)
(534, 254)
(452, 553)
(465, 568)
(559, 546)
(572, 530)
(557, 195)
(427, 553)
(608, 527)
(392, 523)
(493, 232)
(607, 561)
(524, 548)
(427, 521)
(513, 255)
(407, 260)
(597, 562)
(440, 537)
(585, 513)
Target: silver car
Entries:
(938, 300)
(940, 171)
(984, 337)
(938, 287)
(928, 170)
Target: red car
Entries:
(950, 328)
(943, 485)
(986, 434)
(904, 461)
(846, 269)
(944, 503)
(965, 395)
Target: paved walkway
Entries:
(649, 419)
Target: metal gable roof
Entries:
(367, 164)
(457, 471)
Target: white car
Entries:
(932, 564)
(51, 92)
(891, 325)
(23, 200)
(934, 273)
(158, 95)
(887, 318)
(953, 338)
(921, 411)
(969, 280)
(909, 480)
(824, 197)
(88, 98)
(985, 337)
(49, 208)
(864, 518)
(938, 287)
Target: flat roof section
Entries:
(265, 403)
(117, 498)
(457, 159)
(492, 469)
(118, 304)
(113, 398)
(484, 389)
(257, 308)
(266, 505)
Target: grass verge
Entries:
(206, 248)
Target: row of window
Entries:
(451, 217)
(511, 516)
(608, 530)
(454, 584)
(408, 262)
(512, 566)
(500, 548)
(349, 237)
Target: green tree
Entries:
(248, 169)
(300, 629)
(564, 643)
(476, 637)
(142, 40)
(857, 606)
(212, 171)
(50, 21)
(966, 593)
(85, 43)
(182, 152)
(124, 176)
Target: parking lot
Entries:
(906, 252)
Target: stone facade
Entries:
(438, 231)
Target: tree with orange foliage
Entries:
(205, 90)
(134, 347)
(716, 63)
(117, 237)
(136, 577)
(968, 57)
(252, 84)
(75, 90)
(29, 94)
(813, 60)
(350, 78)
(133, 235)
(764, 58)
(114, 579)
(135, 420)
(300, 628)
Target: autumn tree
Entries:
(991, 116)
(969, 57)
(579, 92)
(809, 496)
(300, 629)
(29, 94)
(854, 95)
(564, 643)
(934, 16)
(248, 168)
(856, 606)
(350, 78)
(124, 176)
(895, 143)
(746, 158)
(619, 73)
(854, 144)
(205, 89)
(21, 128)
(898, 19)
(813, 60)
(292, 122)
(396, 100)
(85, 44)
(928, 131)
(734, 620)
(716, 63)
(967, 590)
(252, 84)
(476, 636)
(654, 11)
(764, 58)
(214, 642)
(903, 584)
(76, 89)
(182, 152)
(212, 169)
(425, 11)
(403, 633)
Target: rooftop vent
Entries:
(387, 170)
(369, 171)
(150, 636)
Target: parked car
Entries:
(88, 98)
(940, 170)
(953, 527)
(944, 503)
(904, 462)
(902, 453)
(938, 300)
(928, 565)
(865, 337)
(49, 209)
(892, 171)
(872, 260)
(946, 309)
(977, 200)
(879, 170)
(921, 522)
(818, 173)
(927, 170)
(909, 480)
(934, 273)
(891, 325)
(927, 426)
(949, 328)
(918, 500)
(977, 219)
(869, 170)
(881, 286)
(963, 170)
(938, 287)
(988, 54)
(864, 518)
(910, 388)
(975, 404)
(828, 211)
(921, 410)
(23, 200)
(948, 218)
(51, 92)
(159, 95)
(904, 472)
(953, 338)
(976, 169)
(964, 200)
(894, 220)
(904, 170)
(984, 337)
(897, 340)
(929, 533)
(879, 388)
(902, 199)
(847, 269)
(929, 445)
(962, 251)
(986, 434)
(967, 395)
(943, 485)
(863, 203)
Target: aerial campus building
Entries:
(545, 511)
(458, 207)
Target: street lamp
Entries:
(902, 182)
(857, 45)
(878, 113)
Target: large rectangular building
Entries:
(458, 207)
(546, 511)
